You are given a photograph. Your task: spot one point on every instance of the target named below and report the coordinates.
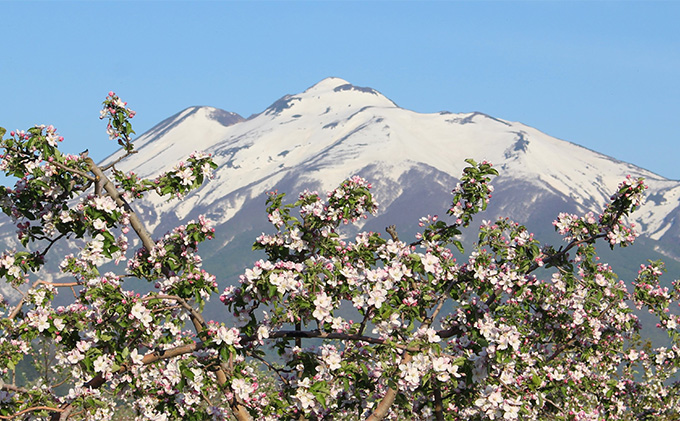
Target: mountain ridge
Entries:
(334, 129)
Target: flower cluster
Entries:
(118, 115)
(183, 177)
(174, 265)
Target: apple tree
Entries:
(328, 325)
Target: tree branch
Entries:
(391, 393)
(392, 231)
(21, 303)
(332, 335)
(32, 409)
(196, 318)
(73, 170)
(135, 222)
(563, 252)
(387, 400)
(438, 406)
(111, 165)
(13, 388)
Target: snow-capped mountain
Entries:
(333, 130)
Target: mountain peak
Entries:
(335, 85)
(327, 85)
(330, 92)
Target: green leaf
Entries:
(224, 354)
(105, 337)
(187, 372)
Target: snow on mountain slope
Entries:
(193, 129)
(334, 129)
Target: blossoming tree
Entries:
(327, 327)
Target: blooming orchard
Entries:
(370, 327)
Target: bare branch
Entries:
(563, 252)
(21, 303)
(387, 400)
(17, 309)
(13, 388)
(196, 317)
(438, 406)
(73, 170)
(111, 165)
(32, 409)
(392, 231)
(135, 222)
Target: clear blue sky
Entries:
(603, 74)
